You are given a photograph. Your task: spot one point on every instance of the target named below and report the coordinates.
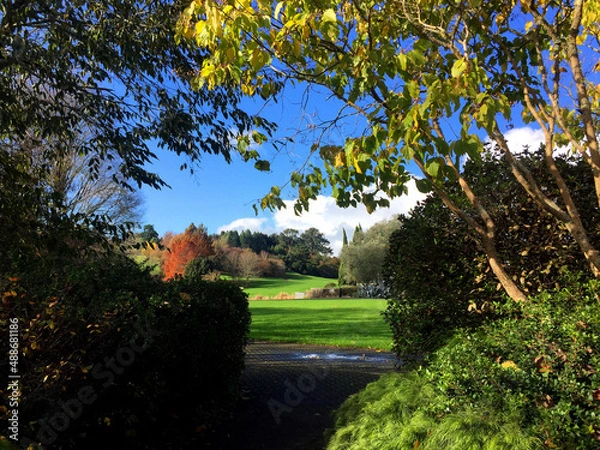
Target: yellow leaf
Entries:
(207, 70)
(329, 16)
(357, 167)
(339, 160)
(510, 365)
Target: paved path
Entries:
(290, 391)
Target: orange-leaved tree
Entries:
(184, 248)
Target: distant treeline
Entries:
(238, 254)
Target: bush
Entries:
(200, 266)
(540, 359)
(270, 266)
(526, 381)
(107, 325)
(401, 412)
(328, 268)
(438, 275)
(373, 290)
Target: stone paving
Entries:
(290, 391)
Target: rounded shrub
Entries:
(159, 362)
(528, 380)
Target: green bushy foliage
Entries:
(186, 339)
(528, 380)
(402, 412)
(200, 266)
(438, 275)
(541, 359)
(431, 268)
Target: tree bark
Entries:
(487, 233)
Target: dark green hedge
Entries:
(114, 356)
(438, 274)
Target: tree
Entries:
(149, 234)
(249, 264)
(184, 248)
(437, 275)
(111, 68)
(341, 268)
(314, 241)
(232, 238)
(409, 68)
(362, 259)
(90, 194)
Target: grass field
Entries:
(343, 322)
(270, 287)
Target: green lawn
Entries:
(294, 282)
(341, 322)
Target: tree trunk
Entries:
(486, 233)
(497, 267)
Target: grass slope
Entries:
(294, 282)
(344, 322)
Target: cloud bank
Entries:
(328, 218)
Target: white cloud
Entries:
(518, 138)
(246, 223)
(330, 219)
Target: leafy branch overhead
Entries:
(435, 81)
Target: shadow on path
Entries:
(290, 391)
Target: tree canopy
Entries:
(435, 82)
(111, 67)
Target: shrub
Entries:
(191, 377)
(348, 291)
(541, 359)
(270, 266)
(200, 266)
(526, 381)
(401, 412)
(372, 290)
(328, 268)
(185, 375)
(316, 293)
(439, 277)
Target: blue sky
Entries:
(221, 195)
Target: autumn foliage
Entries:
(185, 247)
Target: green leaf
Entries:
(424, 185)
(433, 167)
(262, 165)
(458, 68)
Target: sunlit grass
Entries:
(292, 283)
(339, 322)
